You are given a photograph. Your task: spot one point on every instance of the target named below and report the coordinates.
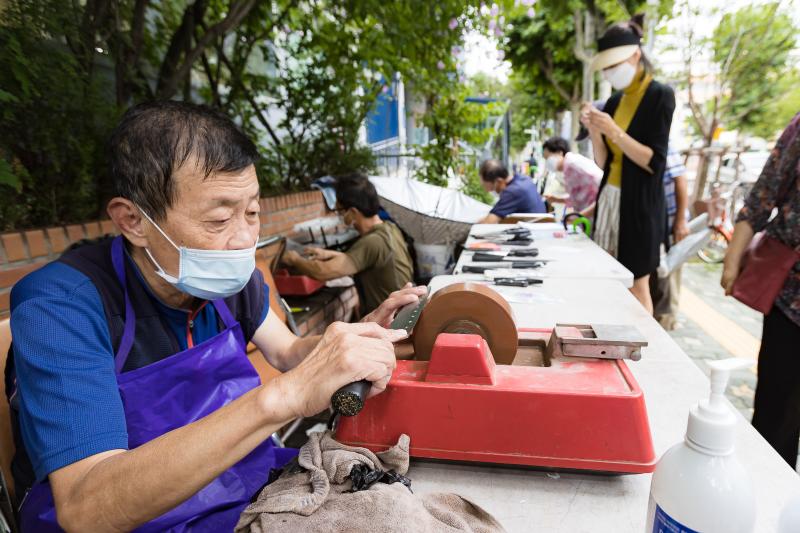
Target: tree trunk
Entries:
(557, 121)
(575, 122)
(702, 168)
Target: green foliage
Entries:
(298, 75)
(450, 119)
(542, 50)
(752, 47)
(54, 123)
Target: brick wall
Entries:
(338, 309)
(25, 251)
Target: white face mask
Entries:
(621, 76)
(208, 274)
(551, 163)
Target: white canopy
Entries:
(430, 214)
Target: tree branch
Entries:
(238, 10)
(578, 48)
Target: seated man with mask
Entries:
(134, 404)
(518, 193)
(379, 259)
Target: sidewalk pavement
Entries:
(713, 326)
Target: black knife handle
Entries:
(349, 400)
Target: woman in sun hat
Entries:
(629, 139)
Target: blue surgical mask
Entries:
(208, 274)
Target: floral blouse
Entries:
(783, 164)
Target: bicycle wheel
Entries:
(714, 251)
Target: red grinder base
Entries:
(578, 414)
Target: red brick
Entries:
(107, 227)
(92, 229)
(75, 233)
(37, 245)
(58, 242)
(15, 247)
(5, 303)
(12, 275)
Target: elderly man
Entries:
(135, 405)
(379, 259)
(518, 193)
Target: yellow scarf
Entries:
(631, 98)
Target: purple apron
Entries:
(172, 393)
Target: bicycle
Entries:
(719, 223)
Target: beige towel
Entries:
(316, 500)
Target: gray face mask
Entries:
(208, 274)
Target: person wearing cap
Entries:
(629, 139)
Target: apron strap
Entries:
(118, 260)
(224, 313)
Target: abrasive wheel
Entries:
(467, 308)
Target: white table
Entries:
(532, 500)
(573, 256)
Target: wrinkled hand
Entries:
(680, 230)
(290, 257)
(318, 254)
(385, 312)
(345, 353)
(730, 272)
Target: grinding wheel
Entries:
(467, 308)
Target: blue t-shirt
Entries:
(70, 408)
(519, 196)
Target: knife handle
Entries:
(349, 400)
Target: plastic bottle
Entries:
(698, 484)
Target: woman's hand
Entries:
(730, 271)
(602, 122)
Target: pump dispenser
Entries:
(699, 485)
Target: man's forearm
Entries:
(681, 197)
(127, 489)
(300, 349)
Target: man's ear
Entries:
(129, 220)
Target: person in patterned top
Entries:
(777, 403)
(579, 175)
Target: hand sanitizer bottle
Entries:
(699, 486)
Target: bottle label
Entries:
(664, 523)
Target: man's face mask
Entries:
(551, 163)
(208, 274)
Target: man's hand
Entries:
(290, 257)
(319, 254)
(680, 230)
(346, 353)
(385, 312)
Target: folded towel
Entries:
(316, 497)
